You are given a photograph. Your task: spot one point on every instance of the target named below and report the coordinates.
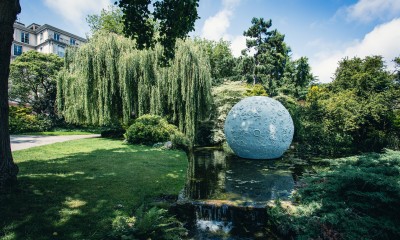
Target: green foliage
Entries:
(175, 20)
(150, 129)
(356, 112)
(255, 90)
(33, 81)
(397, 72)
(225, 97)
(297, 78)
(22, 120)
(222, 62)
(271, 64)
(271, 54)
(107, 80)
(109, 20)
(152, 224)
(355, 198)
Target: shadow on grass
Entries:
(78, 195)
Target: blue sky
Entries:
(325, 31)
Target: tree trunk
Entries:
(8, 14)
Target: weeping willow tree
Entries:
(107, 79)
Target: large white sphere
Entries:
(259, 128)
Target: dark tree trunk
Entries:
(8, 14)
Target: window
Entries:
(17, 50)
(57, 36)
(41, 37)
(71, 41)
(60, 50)
(25, 37)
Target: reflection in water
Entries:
(225, 196)
(214, 175)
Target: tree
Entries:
(397, 71)
(107, 79)
(365, 76)
(8, 14)
(297, 78)
(270, 53)
(110, 20)
(356, 112)
(33, 79)
(222, 62)
(175, 19)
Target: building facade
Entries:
(42, 38)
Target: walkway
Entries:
(19, 142)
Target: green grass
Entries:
(73, 190)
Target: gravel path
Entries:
(19, 142)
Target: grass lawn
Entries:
(73, 190)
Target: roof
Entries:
(21, 26)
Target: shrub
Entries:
(154, 224)
(255, 90)
(225, 97)
(355, 198)
(22, 119)
(150, 129)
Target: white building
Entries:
(45, 39)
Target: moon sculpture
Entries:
(259, 128)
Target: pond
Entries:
(225, 197)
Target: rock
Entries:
(168, 145)
(158, 145)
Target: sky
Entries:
(324, 31)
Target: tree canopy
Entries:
(270, 53)
(267, 61)
(222, 62)
(33, 79)
(174, 20)
(356, 111)
(108, 20)
(108, 79)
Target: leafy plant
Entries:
(256, 90)
(355, 198)
(150, 129)
(22, 120)
(154, 224)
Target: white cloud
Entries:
(216, 27)
(382, 40)
(75, 11)
(369, 10)
(238, 43)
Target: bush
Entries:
(255, 90)
(150, 129)
(22, 120)
(355, 198)
(225, 97)
(153, 224)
